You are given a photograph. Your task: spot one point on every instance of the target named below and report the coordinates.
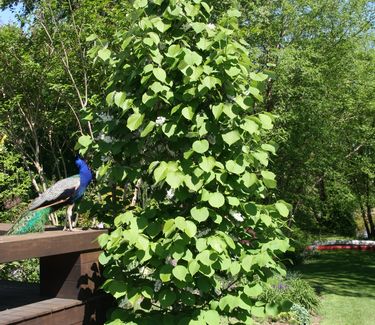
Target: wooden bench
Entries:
(69, 279)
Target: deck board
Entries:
(40, 310)
(14, 294)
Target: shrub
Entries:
(22, 271)
(299, 241)
(294, 289)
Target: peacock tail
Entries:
(31, 221)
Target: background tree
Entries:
(46, 83)
(319, 51)
(14, 182)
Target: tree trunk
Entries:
(371, 221)
(322, 189)
(368, 208)
(364, 217)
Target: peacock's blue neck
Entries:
(85, 177)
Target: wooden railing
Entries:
(69, 278)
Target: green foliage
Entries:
(323, 90)
(293, 289)
(299, 240)
(15, 183)
(22, 271)
(32, 116)
(180, 128)
(46, 82)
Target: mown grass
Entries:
(346, 282)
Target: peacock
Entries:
(65, 192)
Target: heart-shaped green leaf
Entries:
(200, 146)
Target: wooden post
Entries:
(72, 275)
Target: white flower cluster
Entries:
(211, 26)
(157, 285)
(105, 117)
(204, 232)
(170, 194)
(231, 98)
(171, 261)
(185, 27)
(211, 139)
(160, 120)
(106, 138)
(236, 215)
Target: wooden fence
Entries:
(69, 279)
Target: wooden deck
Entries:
(70, 278)
(15, 294)
(47, 312)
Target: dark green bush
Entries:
(22, 271)
(299, 240)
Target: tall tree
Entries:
(196, 237)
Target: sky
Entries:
(7, 16)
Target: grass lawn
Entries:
(346, 282)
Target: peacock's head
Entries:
(80, 162)
(84, 169)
